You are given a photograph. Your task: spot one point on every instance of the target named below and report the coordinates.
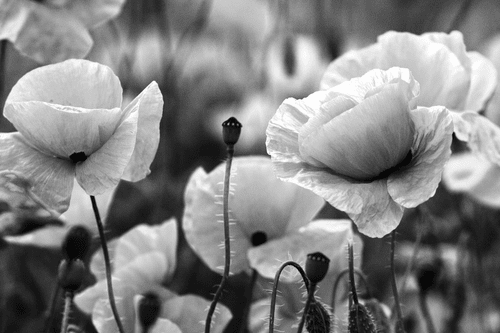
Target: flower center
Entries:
(400, 165)
(78, 157)
(259, 238)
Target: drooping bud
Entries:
(77, 242)
(71, 274)
(318, 319)
(360, 320)
(148, 310)
(316, 266)
(231, 130)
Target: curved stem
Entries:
(399, 321)
(352, 281)
(275, 288)
(68, 301)
(310, 299)
(359, 273)
(107, 264)
(227, 241)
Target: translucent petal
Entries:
(51, 178)
(143, 239)
(417, 182)
(149, 104)
(103, 169)
(61, 131)
(73, 83)
(189, 312)
(326, 236)
(95, 12)
(474, 176)
(367, 140)
(42, 33)
(483, 82)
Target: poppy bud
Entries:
(148, 310)
(360, 320)
(316, 266)
(380, 313)
(231, 130)
(77, 242)
(317, 318)
(71, 274)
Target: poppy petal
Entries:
(483, 82)
(418, 182)
(149, 104)
(51, 178)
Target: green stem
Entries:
(107, 264)
(275, 288)
(68, 301)
(310, 299)
(399, 321)
(248, 298)
(227, 240)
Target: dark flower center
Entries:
(400, 165)
(78, 157)
(259, 238)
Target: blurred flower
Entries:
(272, 219)
(144, 262)
(361, 147)
(54, 30)
(447, 73)
(71, 124)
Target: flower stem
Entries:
(51, 311)
(227, 256)
(275, 289)
(68, 301)
(310, 299)
(107, 265)
(359, 273)
(248, 298)
(422, 300)
(3, 66)
(399, 321)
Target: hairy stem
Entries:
(107, 264)
(68, 301)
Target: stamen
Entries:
(78, 157)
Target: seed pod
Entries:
(231, 130)
(71, 274)
(318, 319)
(316, 266)
(380, 314)
(77, 242)
(360, 320)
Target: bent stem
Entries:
(359, 273)
(227, 256)
(107, 264)
(399, 321)
(275, 288)
(310, 299)
(68, 301)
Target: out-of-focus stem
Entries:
(68, 300)
(399, 321)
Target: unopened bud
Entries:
(317, 318)
(77, 242)
(316, 266)
(149, 310)
(360, 320)
(71, 274)
(231, 130)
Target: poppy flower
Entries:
(271, 219)
(363, 148)
(447, 73)
(144, 262)
(54, 30)
(71, 124)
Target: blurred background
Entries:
(219, 58)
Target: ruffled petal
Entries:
(454, 41)
(203, 224)
(367, 140)
(326, 236)
(482, 135)
(51, 179)
(73, 83)
(61, 131)
(189, 312)
(45, 34)
(474, 176)
(103, 169)
(143, 239)
(418, 181)
(484, 79)
(150, 107)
